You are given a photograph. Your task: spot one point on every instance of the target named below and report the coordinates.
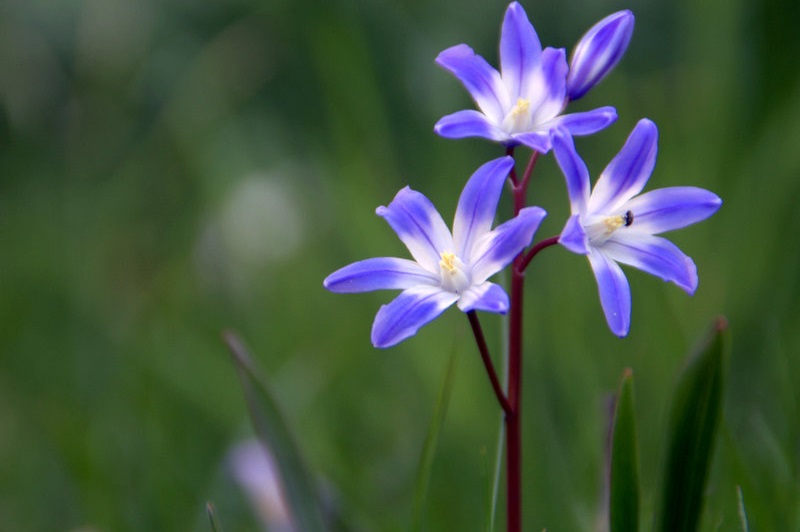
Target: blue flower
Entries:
(523, 102)
(447, 268)
(598, 51)
(614, 224)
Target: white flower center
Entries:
(518, 118)
(600, 228)
(455, 277)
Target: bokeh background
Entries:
(170, 169)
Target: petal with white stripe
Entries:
(420, 226)
(407, 313)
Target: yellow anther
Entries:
(521, 108)
(613, 223)
(448, 262)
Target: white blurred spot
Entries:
(254, 469)
(260, 222)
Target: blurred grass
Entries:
(137, 140)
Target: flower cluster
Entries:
(523, 103)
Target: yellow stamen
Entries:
(448, 262)
(613, 223)
(521, 108)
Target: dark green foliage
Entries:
(695, 416)
(624, 475)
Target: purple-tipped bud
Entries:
(598, 52)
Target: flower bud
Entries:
(598, 51)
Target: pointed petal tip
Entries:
(690, 282)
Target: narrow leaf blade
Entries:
(274, 434)
(695, 415)
(624, 474)
(429, 448)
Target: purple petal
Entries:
(382, 273)
(547, 87)
(498, 248)
(480, 79)
(478, 204)
(654, 255)
(469, 123)
(574, 170)
(535, 140)
(520, 50)
(598, 52)
(615, 292)
(588, 122)
(487, 296)
(409, 311)
(573, 236)
(628, 172)
(416, 221)
(671, 208)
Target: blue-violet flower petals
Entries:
(478, 204)
(614, 225)
(520, 49)
(448, 268)
(487, 296)
(480, 79)
(598, 52)
(588, 122)
(656, 256)
(499, 247)
(521, 104)
(614, 290)
(419, 225)
(407, 313)
(667, 209)
(628, 172)
(380, 273)
(468, 123)
(574, 237)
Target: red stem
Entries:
(512, 419)
(528, 257)
(513, 432)
(487, 361)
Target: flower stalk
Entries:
(512, 418)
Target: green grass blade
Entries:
(216, 526)
(623, 508)
(497, 473)
(429, 448)
(696, 410)
(273, 432)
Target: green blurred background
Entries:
(172, 168)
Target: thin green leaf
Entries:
(216, 526)
(274, 434)
(623, 508)
(429, 448)
(499, 452)
(497, 471)
(696, 410)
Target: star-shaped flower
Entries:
(523, 102)
(447, 268)
(615, 225)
